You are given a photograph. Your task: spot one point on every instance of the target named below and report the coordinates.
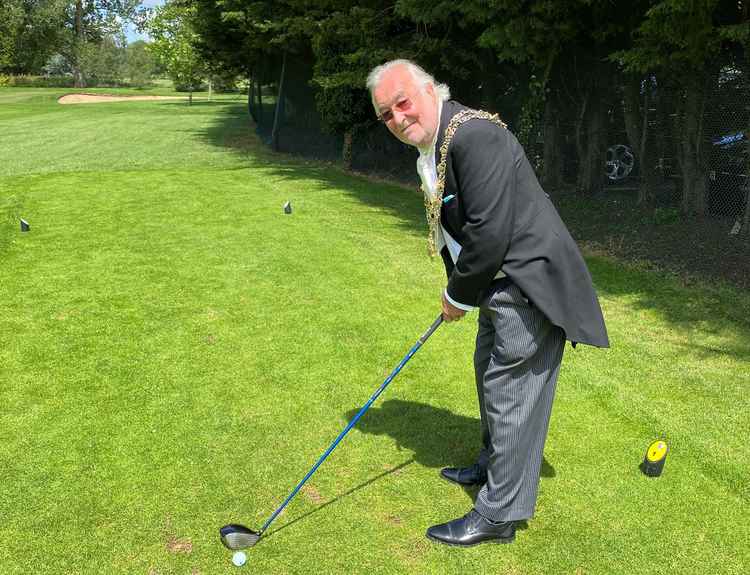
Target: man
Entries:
(506, 252)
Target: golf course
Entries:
(176, 352)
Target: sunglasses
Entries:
(402, 105)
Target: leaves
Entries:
(174, 42)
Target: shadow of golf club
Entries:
(338, 497)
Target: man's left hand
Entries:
(451, 312)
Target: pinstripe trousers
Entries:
(516, 362)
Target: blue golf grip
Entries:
(356, 418)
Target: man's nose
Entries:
(398, 117)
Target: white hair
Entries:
(421, 77)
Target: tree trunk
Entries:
(279, 107)
(78, 41)
(693, 172)
(346, 151)
(635, 111)
(590, 141)
(552, 146)
(251, 98)
(580, 144)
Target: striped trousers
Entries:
(516, 361)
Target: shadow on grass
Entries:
(714, 308)
(436, 436)
(233, 131)
(339, 497)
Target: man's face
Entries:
(410, 113)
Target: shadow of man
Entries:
(436, 436)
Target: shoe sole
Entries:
(496, 541)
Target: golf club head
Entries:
(235, 536)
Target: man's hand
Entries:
(451, 312)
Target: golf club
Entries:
(235, 536)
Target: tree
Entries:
(89, 22)
(174, 43)
(139, 64)
(679, 42)
(11, 18)
(556, 53)
(103, 62)
(30, 33)
(347, 44)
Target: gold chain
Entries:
(433, 204)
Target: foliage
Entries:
(140, 64)
(346, 47)
(103, 62)
(29, 81)
(174, 43)
(11, 17)
(673, 35)
(57, 65)
(90, 22)
(30, 32)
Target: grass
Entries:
(175, 353)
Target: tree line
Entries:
(550, 64)
(543, 61)
(80, 38)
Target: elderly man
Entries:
(506, 252)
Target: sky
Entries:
(130, 33)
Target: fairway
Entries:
(176, 353)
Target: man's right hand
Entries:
(451, 312)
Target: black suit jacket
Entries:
(503, 220)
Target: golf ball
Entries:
(239, 558)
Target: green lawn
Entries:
(175, 353)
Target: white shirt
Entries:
(427, 170)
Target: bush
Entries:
(25, 81)
(57, 65)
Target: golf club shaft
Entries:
(356, 418)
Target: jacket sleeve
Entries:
(482, 159)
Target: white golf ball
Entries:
(239, 558)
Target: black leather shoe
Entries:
(472, 529)
(472, 475)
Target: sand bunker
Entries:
(93, 98)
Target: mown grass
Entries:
(175, 353)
